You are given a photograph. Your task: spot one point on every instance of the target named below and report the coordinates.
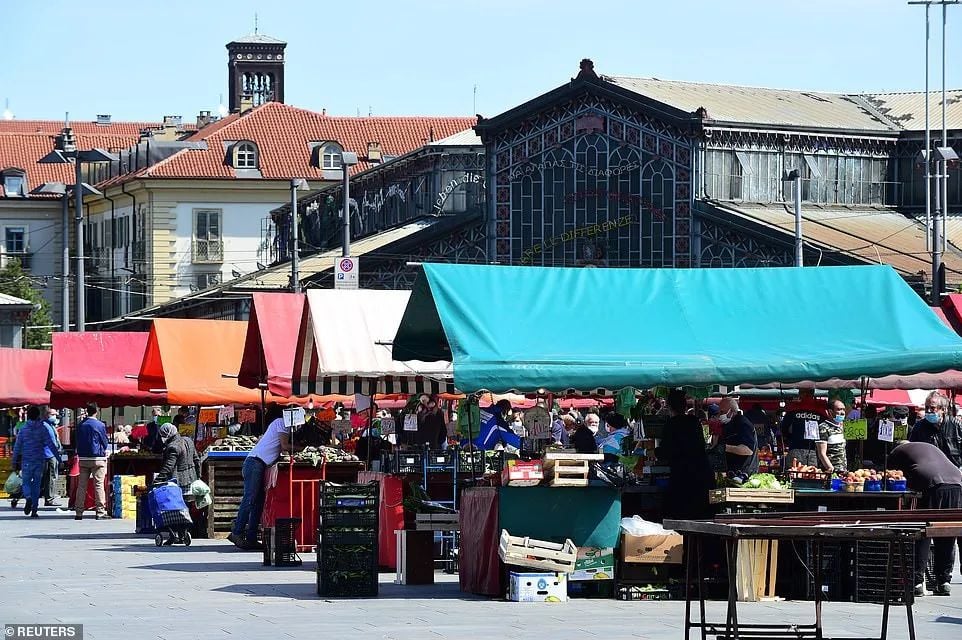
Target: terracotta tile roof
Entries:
(283, 133)
(23, 150)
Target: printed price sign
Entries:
(886, 431)
(341, 429)
(387, 426)
(537, 422)
(410, 422)
(856, 430)
(811, 429)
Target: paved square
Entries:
(121, 587)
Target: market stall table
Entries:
(901, 536)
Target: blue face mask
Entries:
(932, 417)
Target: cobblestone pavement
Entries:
(120, 586)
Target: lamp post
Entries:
(68, 154)
(348, 160)
(296, 183)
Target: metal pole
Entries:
(798, 222)
(65, 266)
(79, 219)
(295, 249)
(346, 247)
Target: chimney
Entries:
(103, 119)
(246, 103)
(204, 118)
(374, 152)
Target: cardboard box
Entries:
(538, 587)
(660, 549)
(594, 563)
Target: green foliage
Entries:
(14, 281)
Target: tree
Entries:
(14, 281)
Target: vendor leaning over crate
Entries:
(928, 470)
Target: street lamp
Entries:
(296, 183)
(348, 160)
(67, 154)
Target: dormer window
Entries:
(331, 155)
(244, 155)
(14, 183)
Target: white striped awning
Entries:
(344, 347)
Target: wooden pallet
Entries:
(757, 496)
(537, 554)
(566, 472)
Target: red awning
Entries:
(23, 377)
(271, 341)
(93, 366)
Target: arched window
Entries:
(331, 156)
(245, 155)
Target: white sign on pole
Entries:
(293, 417)
(346, 273)
(886, 430)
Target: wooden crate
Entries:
(436, 522)
(746, 495)
(566, 473)
(537, 554)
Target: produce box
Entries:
(655, 549)
(594, 563)
(522, 474)
(538, 587)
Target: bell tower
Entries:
(255, 65)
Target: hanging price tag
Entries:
(387, 425)
(886, 431)
(410, 422)
(537, 422)
(811, 429)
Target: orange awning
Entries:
(189, 358)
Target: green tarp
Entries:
(529, 328)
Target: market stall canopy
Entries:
(344, 347)
(188, 359)
(23, 377)
(272, 330)
(92, 366)
(528, 328)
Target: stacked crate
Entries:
(226, 482)
(347, 540)
(124, 499)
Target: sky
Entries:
(140, 60)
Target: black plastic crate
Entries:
(345, 519)
(359, 583)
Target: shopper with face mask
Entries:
(830, 446)
(940, 429)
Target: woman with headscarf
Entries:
(683, 448)
(181, 462)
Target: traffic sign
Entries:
(346, 273)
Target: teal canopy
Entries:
(563, 329)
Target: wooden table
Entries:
(900, 536)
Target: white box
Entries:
(538, 587)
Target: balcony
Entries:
(207, 251)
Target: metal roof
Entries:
(757, 105)
(908, 109)
(872, 235)
(13, 301)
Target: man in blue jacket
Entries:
(30, 458)
(92, 451)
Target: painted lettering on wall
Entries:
(589, 231)
(452, 185)
(538, 167)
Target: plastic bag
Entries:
(638, 526)
(13, 483)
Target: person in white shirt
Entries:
(264, 454)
